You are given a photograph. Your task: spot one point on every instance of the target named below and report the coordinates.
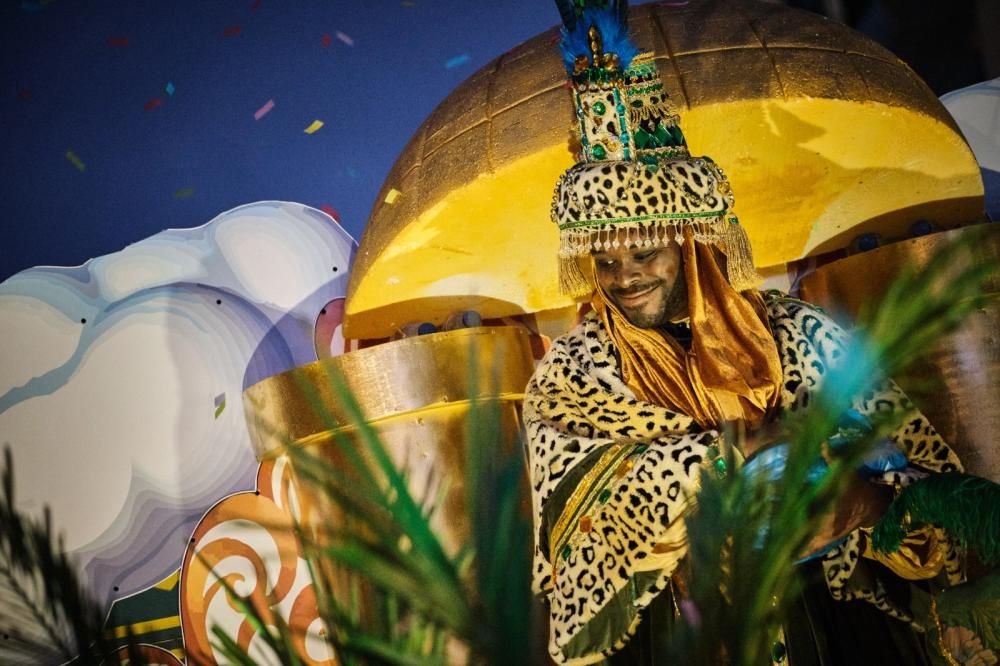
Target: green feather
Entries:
(967, 507)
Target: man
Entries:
(624, 412)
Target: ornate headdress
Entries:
(635, 185)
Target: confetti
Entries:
(264, 110)
(170, 88)
(255, 5)
(457, 61)
(391, 197)
(220, 404)
(331, 211)
(185, 193)
(316, 124)
(152, 104)
(344, 38)
(326, 41)
(75, 161)
(232, 31)
(118, 42)
(24, 94)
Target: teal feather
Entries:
(611, 18)
(967, 507)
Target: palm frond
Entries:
(748, 530)
(46, 616)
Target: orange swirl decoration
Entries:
(246, 539)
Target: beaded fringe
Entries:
(579, 242)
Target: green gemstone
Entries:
(720, 468)
(778, 652)
(598, 152)
(642, 138)
(662, 135)
(599, 108)
(566, 552)
(604, 496)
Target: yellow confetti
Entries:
(391, 197)
(316, 124)
(75, 161)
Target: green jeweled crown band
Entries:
(643, 218)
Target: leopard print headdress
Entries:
(635, 184)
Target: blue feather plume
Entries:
(614, 35)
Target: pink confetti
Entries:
(326, 41)
(331, 211)
(264, 110)
(344, 38)
(152, 104)
(118, 42)
(232, 31)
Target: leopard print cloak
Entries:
(611, 475)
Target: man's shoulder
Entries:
(584, 346)
(589, 327)
(782, 306)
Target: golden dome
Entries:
(823, 134)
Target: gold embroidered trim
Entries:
(584, 496)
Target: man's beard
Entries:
(667, 308)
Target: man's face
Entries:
(646, 283)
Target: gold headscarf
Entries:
(732, 370)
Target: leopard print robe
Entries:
(624, 470)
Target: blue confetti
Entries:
(170, 88)
(457, 61)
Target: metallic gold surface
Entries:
(429, 447)
(415, 394)
(819, 129)
(390, 380)
(957, 383)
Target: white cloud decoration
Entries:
(113, 373)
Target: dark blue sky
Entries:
(89, 76)
(78, 76)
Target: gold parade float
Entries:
(957, 382)
(823, 134)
